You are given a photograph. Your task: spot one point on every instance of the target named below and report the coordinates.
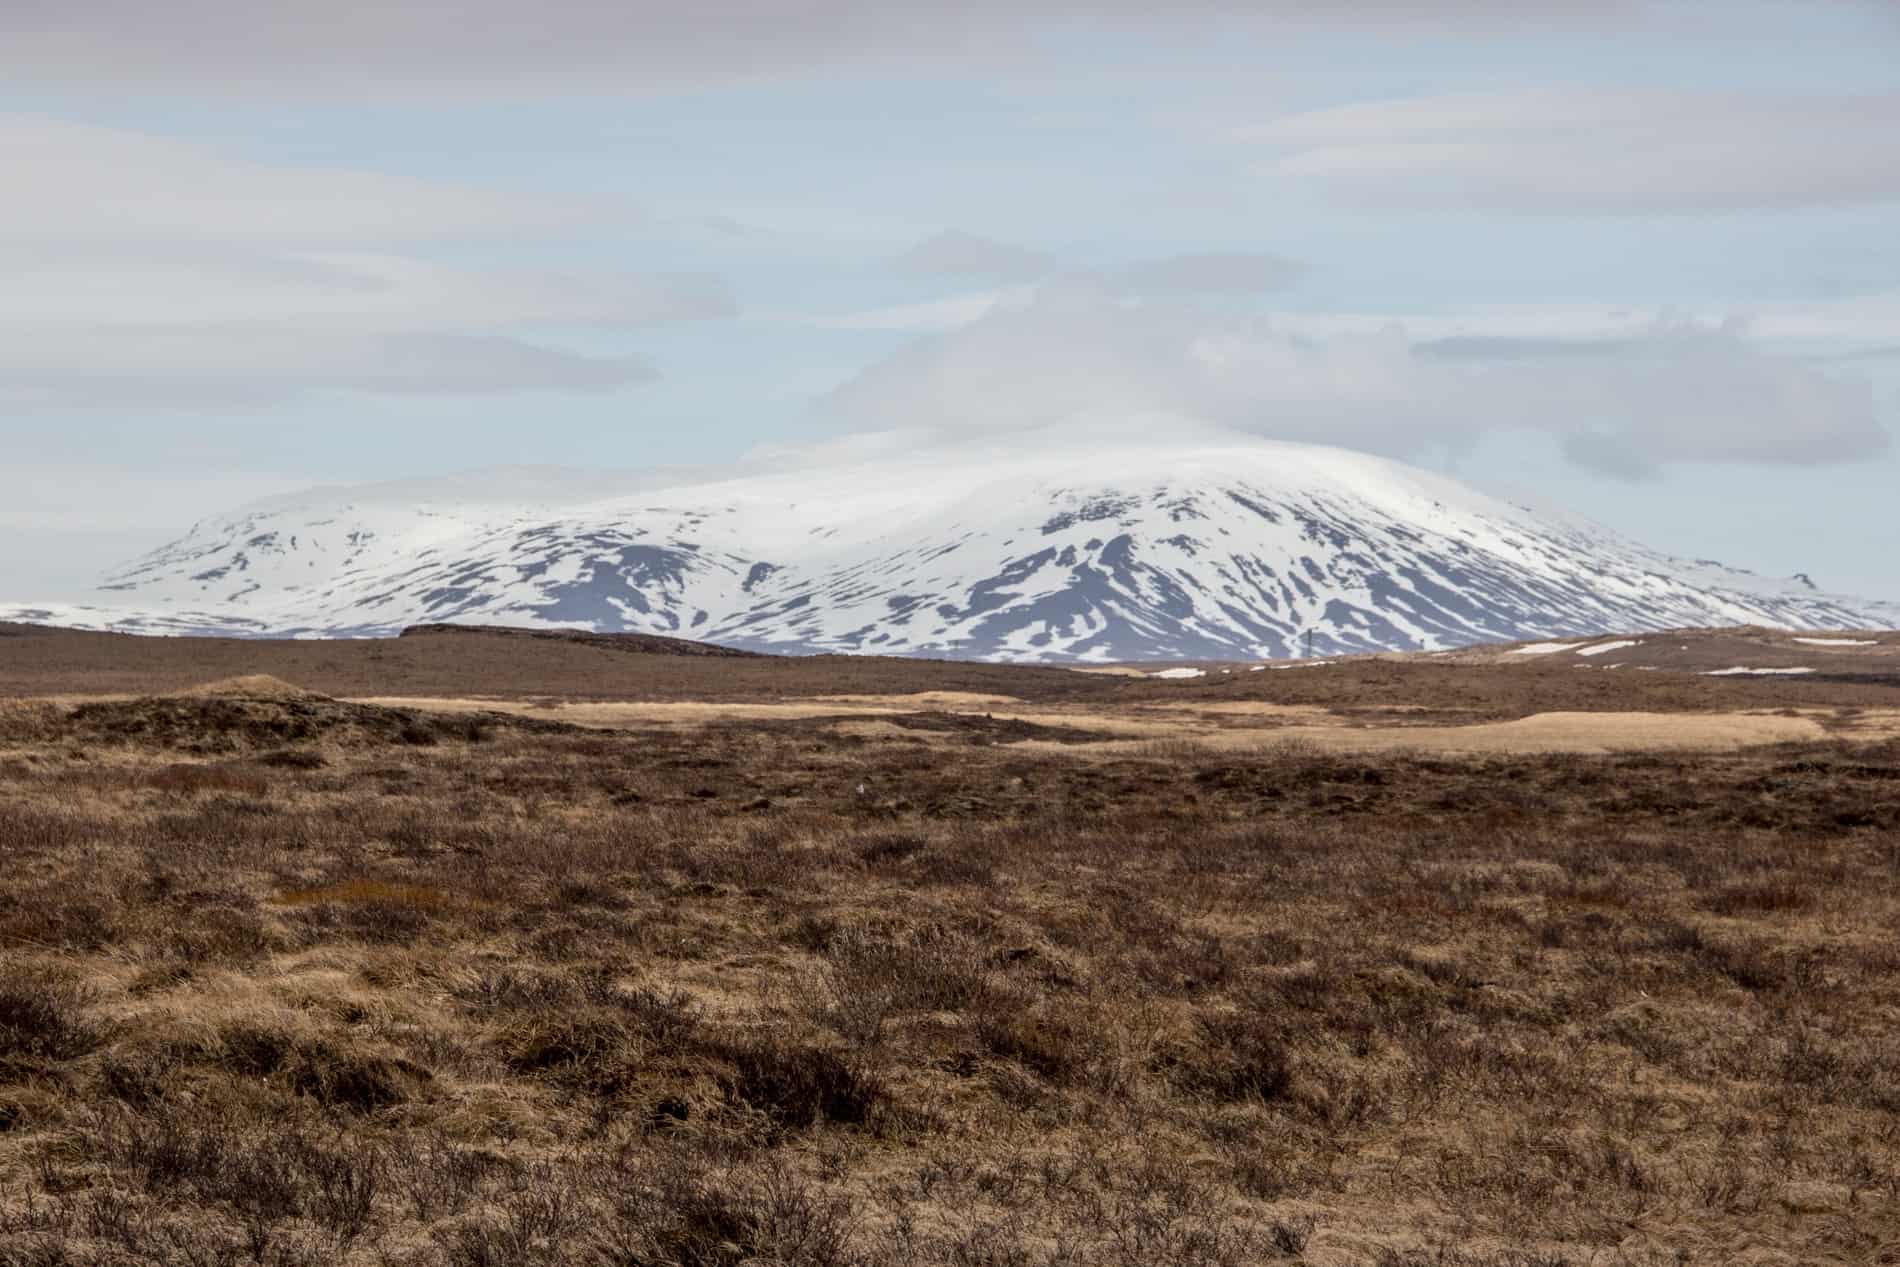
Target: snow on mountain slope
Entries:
(1213, 550)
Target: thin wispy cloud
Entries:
(950, 313)
(154, 371)
(635, 46)
(148, 273)
(954, 253)
(1616, 150)
(1212, 273)
(79, 182)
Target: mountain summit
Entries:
(1217, 550)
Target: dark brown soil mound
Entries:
(649, 644)
(225, 721)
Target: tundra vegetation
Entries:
(288, 980)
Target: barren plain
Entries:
(471, 949)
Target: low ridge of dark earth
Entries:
(653, 644)
(1476, 683)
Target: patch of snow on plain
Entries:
(1302, 664)
(1840, 642)
(1740, 670)
(1545, 648)
(1601, 647)
(1178, 674)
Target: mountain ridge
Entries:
(1210, 550)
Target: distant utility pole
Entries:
(1309, 644)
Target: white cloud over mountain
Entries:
(1672, 392)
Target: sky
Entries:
(1637, 259)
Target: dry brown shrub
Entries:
(679, 1210)
(797, 1085)
(184, 779)
(334, 1074)
(1233, 1057)
(44, 1018)
(1063, 1046)
(593, 1049)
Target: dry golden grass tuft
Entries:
(252, 686)
(294, 981)
(371, 893)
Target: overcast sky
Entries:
(1638, 259)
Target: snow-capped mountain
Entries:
(1230, 549)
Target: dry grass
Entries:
(1223, 726)
(1600, 732)
(291, 981)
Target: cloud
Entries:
(1596, 150)
(338, 46)
(954, 253)
(950, 313)
(1500, 347)
(957, 254)
(1213, 273)
(1079, 353)
(248, 368)
(152, 286)
(147, 273)
(1479, 330)
(77, 182)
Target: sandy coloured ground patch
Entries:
(1244, 708)
(1542, 732)
(249, 686)
(1621, 732)
(957, 700)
